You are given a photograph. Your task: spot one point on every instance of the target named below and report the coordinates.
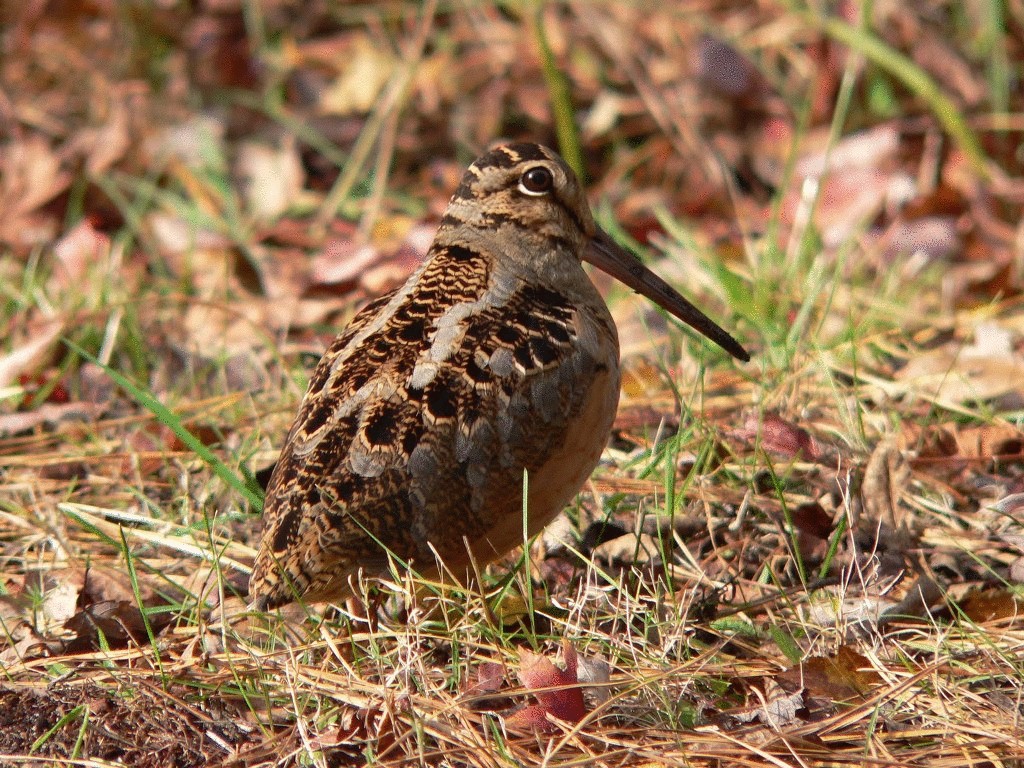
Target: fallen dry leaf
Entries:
(367, 69)
(272, 178)
(108, 605)
(847, 675)
(30, 176)
(987, 605)
(775, 707)
(106, 144)
(26, 358)
(981, 371)
(885, 484)
(628, 550)
(48, 414)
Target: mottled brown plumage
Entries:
(497, 355)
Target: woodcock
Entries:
(497, 356)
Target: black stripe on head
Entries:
(510, 155)
(502, 219)
(500, 157)
(528, 151)
(465, 189)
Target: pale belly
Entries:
(553, 484)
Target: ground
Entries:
(814, 558)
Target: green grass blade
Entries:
(171, 420)
(914, 78)
(561, 101)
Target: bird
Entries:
(497, 357)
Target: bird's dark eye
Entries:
(536, 181)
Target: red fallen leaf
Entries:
(783, 437)
(557, 691)
(152, 440)
(489, 678)
(292, 232)
(814, 526)
(943, 200)
(33, 383)
(641, 228)
(813, 520)
(532, 717)
(105, 584)
(73, 255)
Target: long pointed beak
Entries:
(605, 254)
